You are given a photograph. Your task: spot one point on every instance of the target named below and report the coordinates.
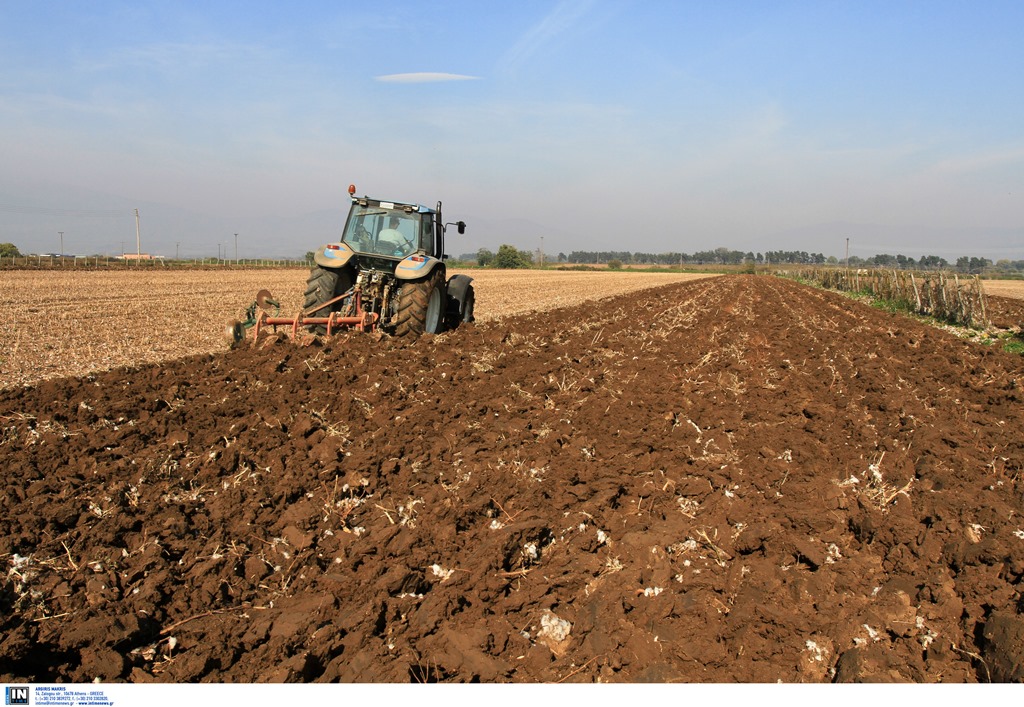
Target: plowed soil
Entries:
(730, 480)
(1006, 312)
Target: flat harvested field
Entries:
(59, 323)
(738, 479)
(1004, 288)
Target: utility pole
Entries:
(847, 257)
(542, 252)
(176, 249)
(236, 249)
(61, 247)
(138, 237)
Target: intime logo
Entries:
(16, 695)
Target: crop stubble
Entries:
(59, 324)
(1004, 288)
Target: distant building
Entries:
(139, 256)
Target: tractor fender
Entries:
(333, 255)
(460, 301)
(415, 267)
(458, 285)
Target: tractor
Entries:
(386, 273)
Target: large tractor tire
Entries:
(460, 311)
(323, 285)
(421, 306)
(467, 306)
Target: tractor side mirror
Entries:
(462, 227)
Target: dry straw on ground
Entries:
(1004, 288)
(70, 323)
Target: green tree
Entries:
(615, 264)
(484, 257)
(9, 250)
(979, 264)
(510, 257)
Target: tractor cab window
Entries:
(380, 231)
(427, 233)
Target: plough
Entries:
(265, 312)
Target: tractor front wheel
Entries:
(421, 306)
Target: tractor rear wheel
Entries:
(467, 306)
(323, 285)
(421, 306)
(460, 312)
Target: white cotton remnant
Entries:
(928, 636)
(554, 628)
(441, 572)
(602, 537)
(817, 652)
(974, 532)
(833, 554)
(531, 550)
(653, 591)
(1019, 534)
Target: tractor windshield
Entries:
(379, 230)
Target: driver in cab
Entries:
(390, 241)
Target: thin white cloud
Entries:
(563, 18)
(424, 77)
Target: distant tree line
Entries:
(511, 257)
(718, 256)
(508, 257)
(964, 264)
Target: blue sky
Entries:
(598, 125)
